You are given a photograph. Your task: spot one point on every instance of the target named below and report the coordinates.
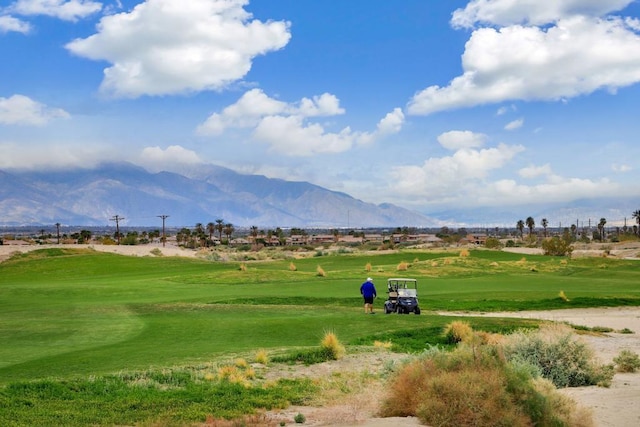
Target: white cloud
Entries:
(458, 139)
(9, 23)
(286, 126)
(536, 171)
(168, 47)
(157, 159)
(621, 168)
(22, 110)
(531, 12)
(70, 10)
(53, 155)
(577, 56)
(392, 122)
(515, 124)
(443, 178)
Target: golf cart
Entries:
(403, 296)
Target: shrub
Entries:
(627, 361)
(559, 356)
(458, 331)
(299, 418)
(492, 243)
(555, 246)
(477, 387)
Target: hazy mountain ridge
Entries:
(94, 196)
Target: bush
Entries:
(476, 386)
(555, 246)
(559, 357)
(627, 361)
(458, 331)
(492, 243)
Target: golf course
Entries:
(95, 338)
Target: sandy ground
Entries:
(616, 406)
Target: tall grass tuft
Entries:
(563, 297)
(320, 272)
(292, 267)
(367, 267)
(402, 266)
(243, 267)
(261, 357)
(332, 346)
(464, 253)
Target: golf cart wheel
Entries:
(417, 310)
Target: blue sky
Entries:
(431, 105)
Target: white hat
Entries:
(369, 279)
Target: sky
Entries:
(431, 105)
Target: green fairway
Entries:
(66, 313)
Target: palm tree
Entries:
(220, 227)
(520, 226)
(211, 228)
(601, 224)
(228, 231)
(545, 224)
(530, 224)
(254, 234)
(636, 215)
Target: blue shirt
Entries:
(368, 290)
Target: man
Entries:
(368, 291)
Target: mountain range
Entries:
(94, 197)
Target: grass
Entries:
(69, 317)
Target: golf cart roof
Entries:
(400, 279)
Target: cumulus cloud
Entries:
(287, 128)
(530, 12)
(458, 139)
(157, 159)
(71, 10)
(9, 23)
(576, 55)
(515, 124)
(22, 110)
(442, 178)
(536, 171)
(167, 47)
(621, 168)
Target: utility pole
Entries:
(58, 231)
(117, 219)
(163, 235)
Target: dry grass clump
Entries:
(434, 263)
(383, 344)
(292, 267)
(320, 272)
(464, 253)
(458, 331)
(627, 361)
(243, 267)
(403, 266)
(332, 345)
(367, 267)
(563, 297)
(261, 356)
